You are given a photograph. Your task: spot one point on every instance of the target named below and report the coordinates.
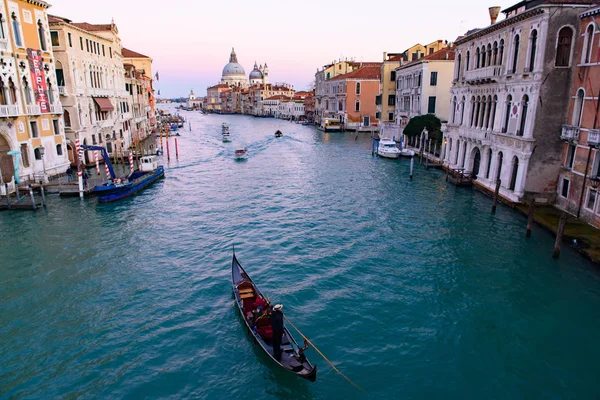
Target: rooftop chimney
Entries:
(494, 11)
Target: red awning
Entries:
(104, 104)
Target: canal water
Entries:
(412, 288)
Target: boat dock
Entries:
(23, 199)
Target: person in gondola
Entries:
(277, 325)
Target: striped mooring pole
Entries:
(131, 161)
(97, 162)
(79, 171)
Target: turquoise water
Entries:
(412, 288)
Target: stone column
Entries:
(521, 176)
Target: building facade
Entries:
(510, 96)
(32, 138)
(579, 178)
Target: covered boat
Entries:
(120, 188)
(246, 294)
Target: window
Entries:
(392, 76)
(501, 53)
(42, 35)
(563, 48)
(483, 57)
(462, 110)
(468, 60)
(489, 164)
(34, 129)
(578, 108)
(87, 45)
(524, 105)
(433, 79)
(110, 52)
(517, 43)
(431, 50)
(571, 149)
(564, 191)
(70, 39)
(515, 171)
(494, 105)
(37, 154)
(67, 118)
(25, 154)
(56, 126)
(495, 54)
(59, 150)
(419, 80)
(2, 34)
(357, 105)
(477, 58)
(590, 203)
(391, 100)
(390, 116)
(587, 46)
(103, 54)
(472, 110)
(54, 38)
(357, 87)
(26, 91)
(378, 115)
(431, 105)
(17, 30)
(81, 42)
(533, 50)
(507, 114)
(458, 65)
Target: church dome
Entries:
(256, 74)
(233, 68)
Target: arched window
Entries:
(534, 36)
(468, 60)
(454, 104)
(357, 88)
(2, 34)
(12, 91)
(483, 109)
(507, 114)
(515, 170)
(489, 113)
(357, 105)
(17, 30)
(517, 43)
(27, 91)
(462, 110)
(482, 56)
(588, 44)
(473, 106)
(459, 66)
(328, 75)
(449, 149)
(42, 35)
(2, 93)
(495, 54)
(563, 47)
(501, 52)
(477, 58)
(477, 112)
(494, 106)
(37, 153)
(67, 118)
(578, 108)
(59, 150)
(524, 105)
(50, 91)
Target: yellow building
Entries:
(386, 101)
(30, 111)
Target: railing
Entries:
(475, 134)
(62, 90)
(10, 110)
(594, 137)
(56, 108)
(569, 132)
(34, 109)
(483, 73)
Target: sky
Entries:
(190, 40)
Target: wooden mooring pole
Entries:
(530, 214)
(7, 196)
(498, 182)
(32, 198)
(559, 234)
(412, 166)
(43, 196)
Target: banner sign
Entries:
(38, 79)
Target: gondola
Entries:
(292, 357)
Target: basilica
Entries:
(235, 76)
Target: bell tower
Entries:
(265, 72)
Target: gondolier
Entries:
(277, 325)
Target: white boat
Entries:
(387, 148)
(330, 125)
(407, 153)
(241, 153)
(226, 137)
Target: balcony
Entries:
(56, 108)
(569, 133)
(478, 135)
(483, 75)
(34, 109)
(594, 137)
(62, 90)
(10, 110)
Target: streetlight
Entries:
(42, 151)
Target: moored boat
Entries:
(246, 293)
(120, 188)
(387, 149)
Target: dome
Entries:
(233, 68)
(256, 74)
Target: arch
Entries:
(477, 58)
(7, 166)
(357, 105)
(499, 160)
(524, 107)
(459, 66)
(578, 107)
(483, 57)
(468, 65)
(495, 54)
(588, 44)
(67, 118)
(41, 35)
(26, 91)
(476, 157)
(533, 49)
(357, 88)
(501, 52)
(472, 110)
(489, 112)
(489, 54)
(507, 113)
(515, 170)
(563, 47)
(454, 105)
(494, 106)
(477, 112)
(517, 43)
(462, 109)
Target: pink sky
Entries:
(190, 40)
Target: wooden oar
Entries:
(323, 355)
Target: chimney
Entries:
(494, 12)
(384, 55)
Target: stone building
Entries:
(510, 96)
(579, 177)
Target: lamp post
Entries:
(42, 151)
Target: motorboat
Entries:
(241, 153)
(278, 133)
(330, 125)
(407, 153)
(387, 148)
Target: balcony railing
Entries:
(569, 132)
(594, 137)
(62, 90)
(34, 109)
(56, 108)
(484, 74)
(10, 110)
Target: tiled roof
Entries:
(365, 64)
(447, 53)
(132, 54)
(93, 27)
(54, 19)
(368, 72)
(278, 97)
(219, 86)
(534, 3)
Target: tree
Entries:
(431, 122)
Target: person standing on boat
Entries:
(277, 325)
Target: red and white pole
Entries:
(107, 170)
(176, 149)
(79, 171)
(97, 162)
(131, 160)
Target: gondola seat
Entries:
(266, 332)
